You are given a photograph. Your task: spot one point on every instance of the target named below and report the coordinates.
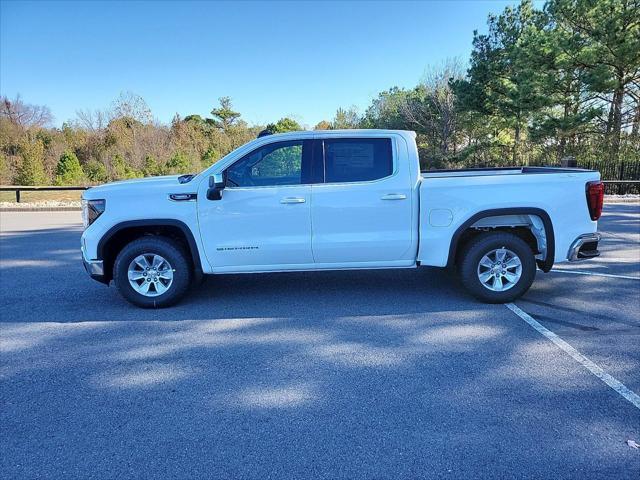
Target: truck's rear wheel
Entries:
(497, 267)
(152, 272)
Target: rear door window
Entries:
(357, 159)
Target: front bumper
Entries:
(584, 247)
(95, 268)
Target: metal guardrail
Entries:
(45, 188)
(25, 188)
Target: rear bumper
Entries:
(584, 247)
(95, 268)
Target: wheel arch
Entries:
(124, 232)
(457, 238)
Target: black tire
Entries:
(172, 251)
(484, 243)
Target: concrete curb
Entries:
(621, 201)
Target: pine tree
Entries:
(69, 171)
(606, 44)
(283, 125)
(31, 168)
(502, 82)
(224, 117)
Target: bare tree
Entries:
(431, 108)
(131, 105)
(92, 120)
(23, 114)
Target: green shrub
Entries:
(283, 125)
(31, 167)
(69, 171)
(121, 170)
(151, 167)
(4, 170)
(179, 163)
(210, 157)
(96, 172)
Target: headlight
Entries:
(91, 210)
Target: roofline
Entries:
(303, 134)
(354, 131)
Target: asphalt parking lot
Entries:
(379, 374)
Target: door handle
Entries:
(292, 200)
(394, 196)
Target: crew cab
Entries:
(335, 200)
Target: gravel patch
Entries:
(45, 206)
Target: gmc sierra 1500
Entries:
(333, 200)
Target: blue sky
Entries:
(299, 59)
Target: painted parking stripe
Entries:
(595, 274)
(618, 386)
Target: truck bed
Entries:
(449, 198)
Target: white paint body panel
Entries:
(251, 228)
(346, 225)
(366, 221)
(561, 195)
(140, 199)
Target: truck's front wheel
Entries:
(152, 272)
(497, 267)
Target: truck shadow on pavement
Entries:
(43, 280)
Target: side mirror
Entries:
(216, 185)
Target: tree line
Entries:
(540, 85)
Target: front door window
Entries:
(271, 165)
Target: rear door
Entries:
(362, 210)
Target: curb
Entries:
(631, 201)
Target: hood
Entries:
(153, 183)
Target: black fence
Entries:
(621, 187)
(620, 178)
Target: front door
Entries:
(263, 221)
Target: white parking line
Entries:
(595, 274)
(618, 386)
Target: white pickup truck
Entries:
(335, 200)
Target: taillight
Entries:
(595, 199)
